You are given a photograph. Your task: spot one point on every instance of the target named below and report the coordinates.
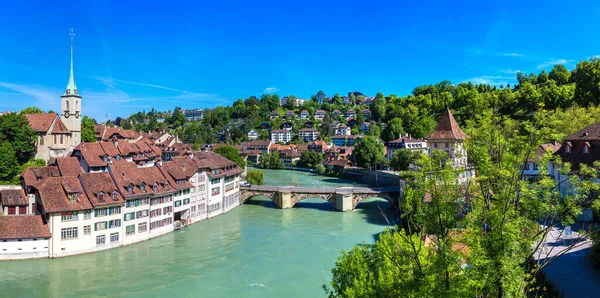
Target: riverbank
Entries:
(361, 176)
(255, 250)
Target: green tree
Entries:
(369, 152)
(126, 124)
(378, 108)
(587, 79)
(326, 126)
(403, 158)
(15, 129)
(88, 133)
(560, 74)
(255, 177)
(177, 119)
(320, 169)
(32, 110)
(374, 130)
(310, 158)
(232, 154)
(337, 100)
(542, 77)
(34, 162)
(393, 131)
(271, 161)
(9, 166)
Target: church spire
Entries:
(71, 88)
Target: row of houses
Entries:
(320, 114)
(70, 207)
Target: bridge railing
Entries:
(322, 189)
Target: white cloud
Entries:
(553, 62)
(489, 80)
(512, 55)
(111, 83)
(269, 90)
(44, 98)
(509, 71)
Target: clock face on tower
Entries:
(66, 114)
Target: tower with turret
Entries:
(71, 104)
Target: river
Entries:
(254, 250)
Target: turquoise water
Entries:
(254, 250)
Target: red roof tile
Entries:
(60, 127)
(54, 195)
(447, 128)
(41, 122)
(23, 226)
(33, 176)
(100, 183)
(13, 197)
(68, 166)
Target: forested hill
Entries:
(562, 99)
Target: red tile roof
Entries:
(69, 166)
(13, 197)
(60, 127)
(54, 195)
(97, 183)
(22, 227)
(41, 122)
(447, 128)
(33, 176)
(589, 133)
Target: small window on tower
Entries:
(67, 100)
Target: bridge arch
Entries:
(392, 198)
(245, 196)
(299, 197)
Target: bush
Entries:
(255, 177)
(320, 169)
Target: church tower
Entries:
(71, 104)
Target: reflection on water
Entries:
(255, 250)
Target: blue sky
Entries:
(134, 55)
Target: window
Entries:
(72, 197)
(12, 210)
(586, 149)
(130, 189)
(155, 187)
(115, 195)
(143, 187)
(101, 197)
(68, 216)
(167, 210)
(177, 203)
(114, 210)
(568, 149)
(100, 240)
(42, 140)
(67, 105)
(129, 216)
(435, 145)
(54, 139)
(115, 223)
(130, 230)
(87, 214)
(99, 226)
(61, 139)
(215, 181)
(87, 230)
(68, 233)
(186, 201)
(101, 212)
(142, 227)
(215, 191)
(114, 237)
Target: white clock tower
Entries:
(71, 104)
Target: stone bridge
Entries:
(342, 198)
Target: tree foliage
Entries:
(484, 238)
(255, 177)
(88, 133)
(15, 129)
(369, 152)
(31, 110)
(320, 169)
(271, 161)
(232, 154)
(310, 158)
(403, 158)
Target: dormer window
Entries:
(115, 195)
(143, 187)
(586, 148)
(130, 188)
(72, 196)
(568, 149)
(101, 197)
(105, 158)
(167, 185)
(155, 187)
(118, 157)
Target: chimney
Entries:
(116, 142)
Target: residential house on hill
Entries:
(532, 168)
(366, 113)
(318, 146)
(304, 114)
(287, 126)
(350, 114)
(290, 114)
(308, 134)
(253, 135)
(193, 115)
(343, 140)
(406, 142)
(281, 136)
(342, 130)
(336, 113)
(274, 115)
(320, 114)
